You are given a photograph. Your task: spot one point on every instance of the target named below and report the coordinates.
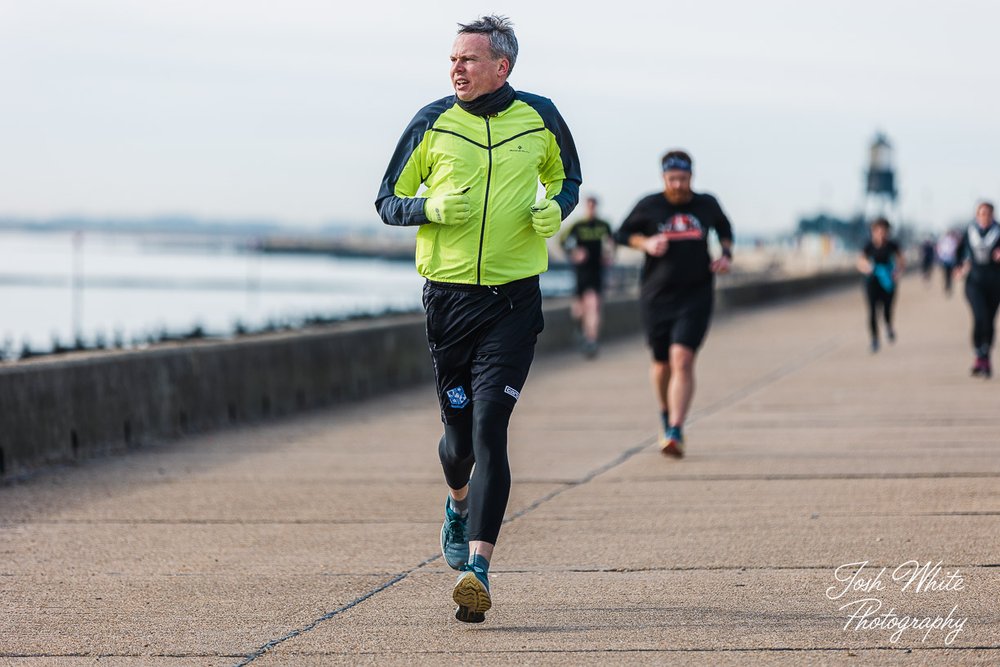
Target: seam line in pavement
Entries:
(99, 656)
(791, 477)
(754, 386)
(765, 649)
(732, 568)
(325, 617)
(771, 649)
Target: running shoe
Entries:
(892, 335)
(672, 442)
(874, 345)
(454, 538)
(982, 367)
(472, 595)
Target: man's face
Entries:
(678, 185)
(474, 70)
(984, 216)
(879, 234)
(591, 208)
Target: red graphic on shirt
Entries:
(682, 226)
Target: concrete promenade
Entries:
(313, 541)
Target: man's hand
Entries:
(578, 255)
(451, 208)
(546, 216)
(721, 265)
(656, 245)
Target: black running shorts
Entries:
(683, 321)
(482, 342)
(589, 278)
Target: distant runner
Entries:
(882, 263)
(979, 261)
(677, 292)
(927, 257)
(947, 247)
(589, 247)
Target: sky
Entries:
(290, 111)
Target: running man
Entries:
(678, 280)
(979, 261)
(882, 262)
(589, 246)
(481, 153)
(927, 256)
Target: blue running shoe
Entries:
(472, 595)
(672, 442)
(454, 539)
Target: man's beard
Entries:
(678, 196)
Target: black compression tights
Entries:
(481, 441)
(876, 296)
(984, 302)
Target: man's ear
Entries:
(504, 68)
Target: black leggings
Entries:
(877, 295)
(481, 441)
(984, 299)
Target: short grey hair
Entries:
(503, 43)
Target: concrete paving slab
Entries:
(215, 614)
(220, 502)
(656, 611)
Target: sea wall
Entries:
(69, 408)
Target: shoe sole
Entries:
(472, 598)
(672, 448)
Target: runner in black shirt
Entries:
(588, 245)
(979, 260)
(671, 227)
(882, 263)
(927, 258)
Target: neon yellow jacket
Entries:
(501, 159)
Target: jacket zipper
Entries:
(486, 201)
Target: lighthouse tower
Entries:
(881, 197)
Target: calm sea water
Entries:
(54, 286)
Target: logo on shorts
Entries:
(512, 392)
(457, 397)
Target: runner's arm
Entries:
(864, 264)
(397, 203)
(631, 233)
(724, 232)
(560, 174)
(963, 257)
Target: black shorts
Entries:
(589, 278)
(682, 321)
(482, 342)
